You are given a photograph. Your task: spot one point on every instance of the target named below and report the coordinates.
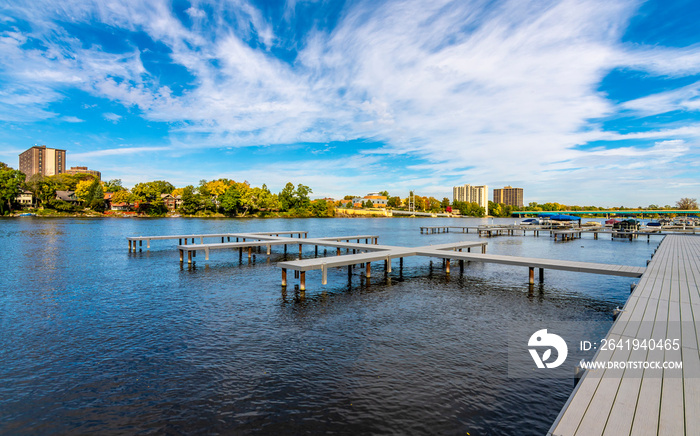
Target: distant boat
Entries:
(611, 222)
(27, 214)
(530, 221)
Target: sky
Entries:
(587, 102)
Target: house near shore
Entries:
(376, 199)
(26, 198)
(67, 196)
(171, 202)
(121, 207)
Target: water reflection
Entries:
(142, 343)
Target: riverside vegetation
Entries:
(225, 197)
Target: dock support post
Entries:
(447, 266)
(324, 274)
(388, 264)
(189, 257)
(269, 249)
(285, 248)
(316, 249)
(461, 266)
(206, 254)
(284, 277)
(302, 281)
(300, 247)
(541, 275)
(141, 242)
(401, 262)
(367, 270)
(181, 256)
(483, 249)
(129, 245)
(532, 275)
(148, 244)
(338, 252)
(250, 252)
(349, 271)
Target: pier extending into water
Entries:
(363, 254)
(562, 234)
(655, 401)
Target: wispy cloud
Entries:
(478, 90)
(124, 151)
(111, 117)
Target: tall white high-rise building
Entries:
(472, 194)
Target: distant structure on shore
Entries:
(376, 199)
(509, 196)
(42, 160)
(472, 194)
(84, 170)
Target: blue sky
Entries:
(578, 102)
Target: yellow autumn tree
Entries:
(217, 187)
(82, 189)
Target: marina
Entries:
(665, 304)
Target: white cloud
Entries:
(196, 13)
(109, 116)
(505, 89)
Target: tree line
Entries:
(231, 198)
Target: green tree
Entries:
(190, 203)
(149, 191)
(393, 202)
(384, 193)
(368, 204)
(46, 190)
(322, 208)
(11, 182)
(231, 200)
(445, 203)
(97, 197)
(114, 185)
(301, 197)
(286, 197)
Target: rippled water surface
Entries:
(94, 339)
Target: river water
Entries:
(94, 339)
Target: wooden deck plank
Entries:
(659, 401)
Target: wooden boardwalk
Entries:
(654, 401)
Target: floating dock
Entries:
(655, 401)
(364, 254)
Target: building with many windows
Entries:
(84, 170)
(42, 160)
(509, 196)
(472, 194)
